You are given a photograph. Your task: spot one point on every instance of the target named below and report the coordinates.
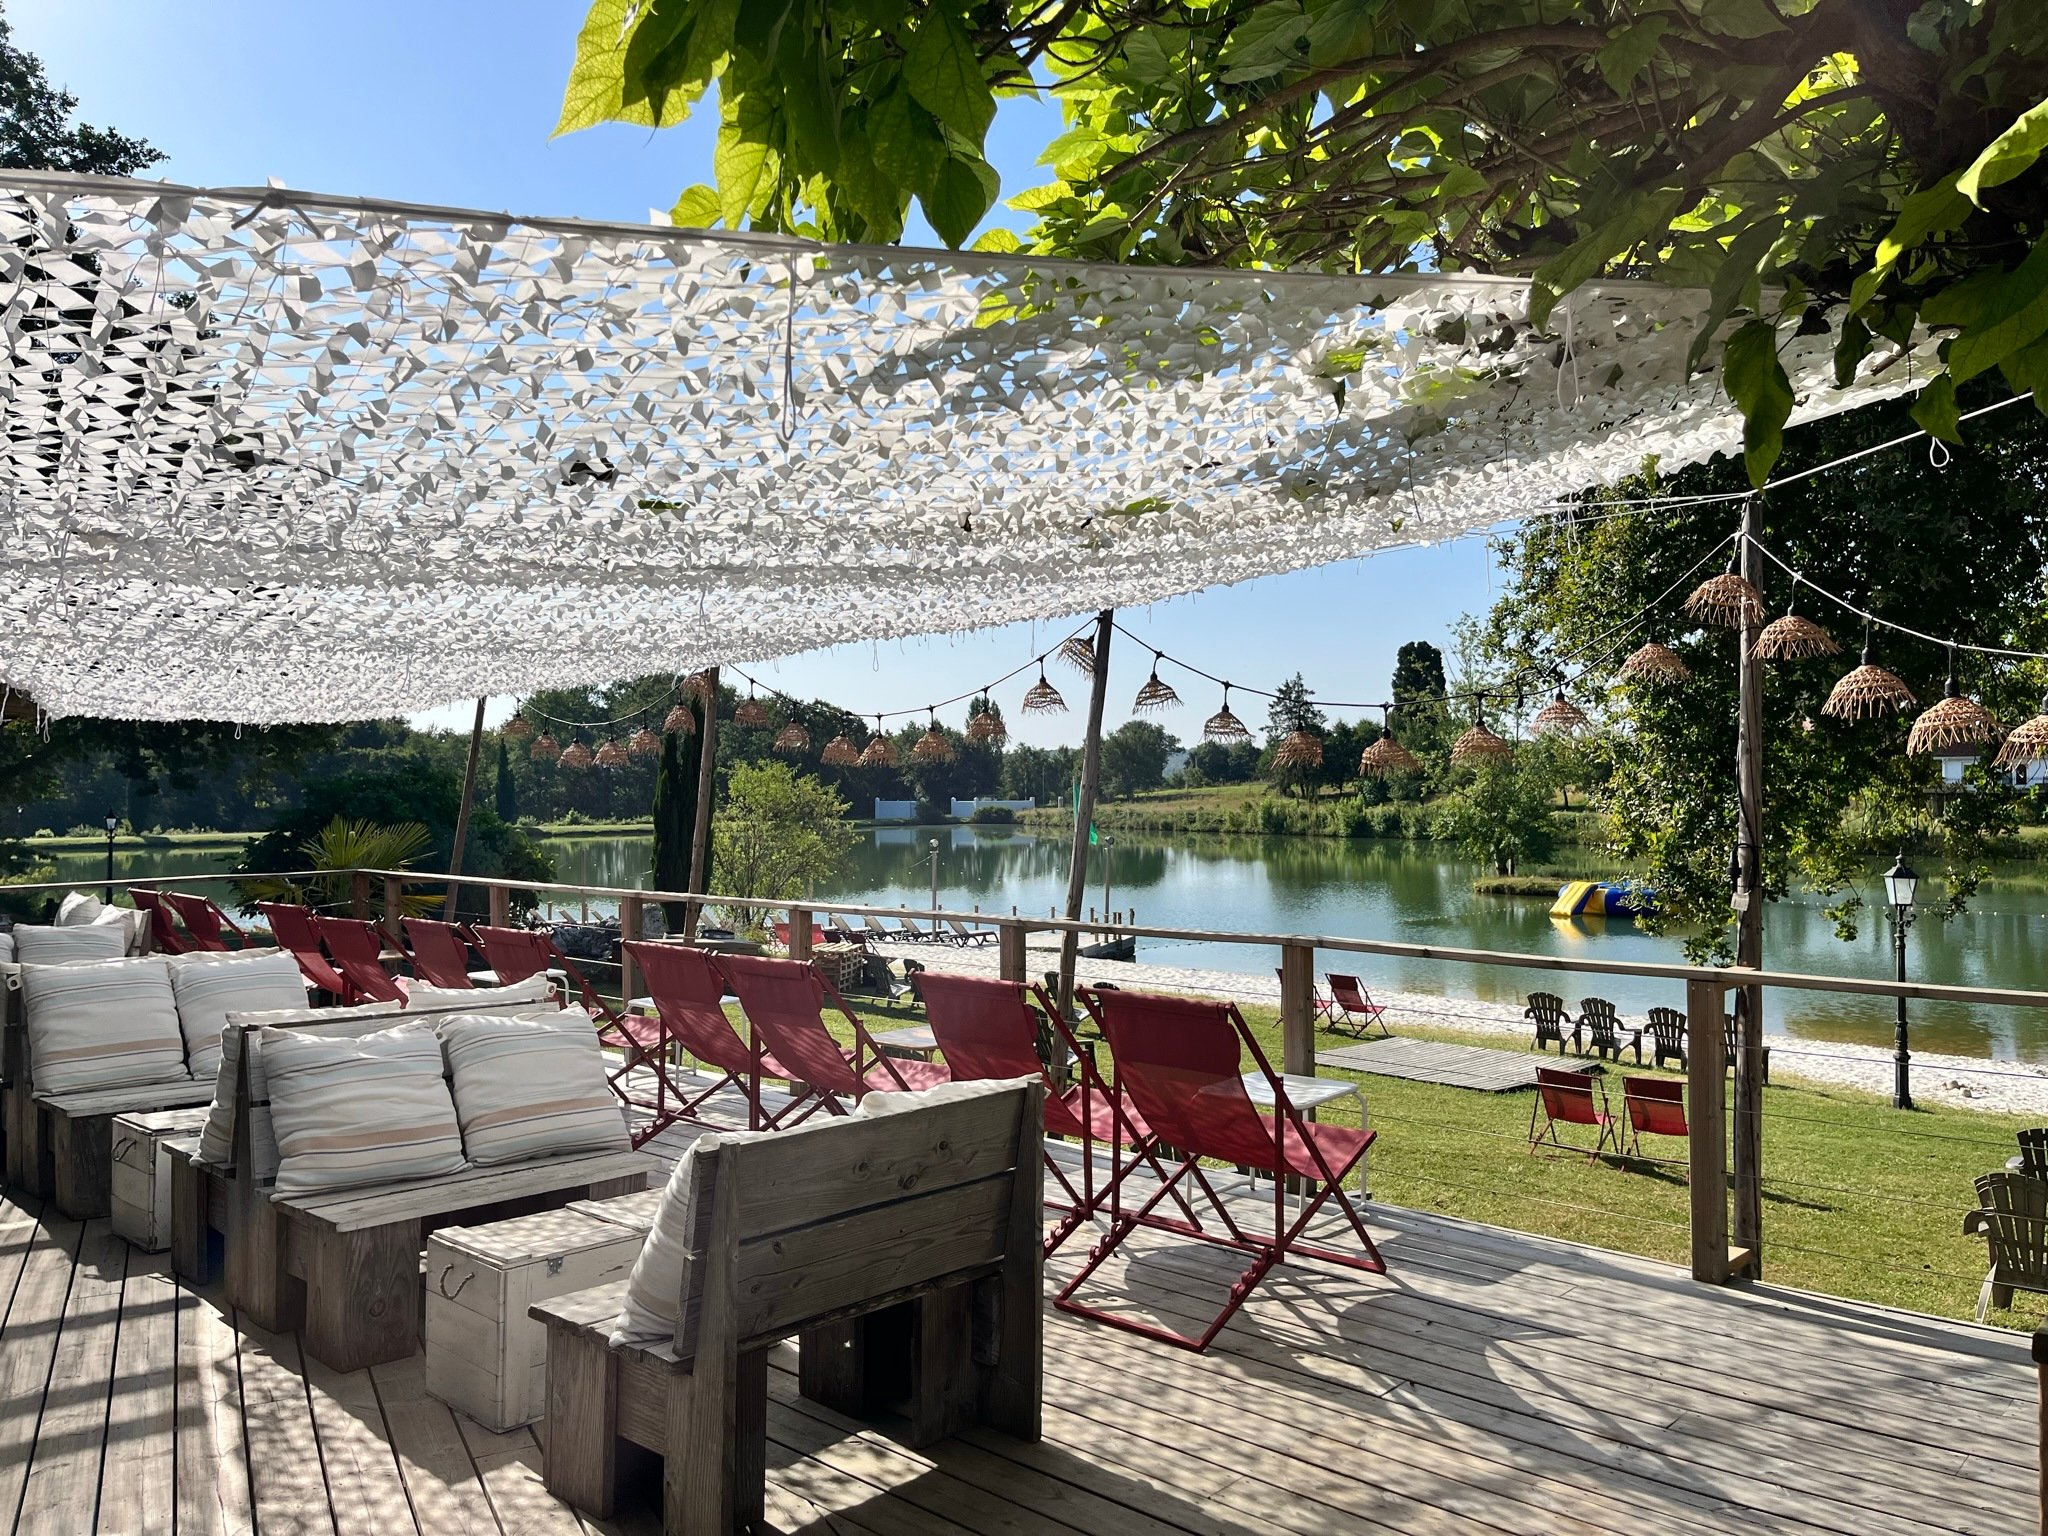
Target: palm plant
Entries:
(341, 847)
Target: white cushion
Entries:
(210, 984)
(35, 944)
(654, 1291)
(7, 948)
(535, 989)
(133, 926)
(77, 908)
(217, 1137)
(530, 1087)
(113, 1024)
(351, 1112)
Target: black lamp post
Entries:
(1899, 885)
(935, 874)
(113, 823)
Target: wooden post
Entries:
(1747, 1149)
(1011, 964)
(700, 838)
(1706, 1122)
(799, 933)
(394, 905)
(1298, 1010)
(359, 895)
(501, 907)
(476, 741)
(2041, 1365)
(629, 968)
(1084, 810)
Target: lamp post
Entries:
(935, 874)
(1899, 885)
(113, 823)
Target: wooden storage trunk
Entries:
(140, 1204)
(485, 1356)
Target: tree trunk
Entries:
(675, 818)
(707, 764)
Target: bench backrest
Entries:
(794, 1228)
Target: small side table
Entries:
(1308, 1094)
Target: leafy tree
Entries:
(1043, 774)
(1786, 154)
(1225, 762)
(779, 833)
(1500, 812)
(1134, 758)
(1961, 552)
(37, 131)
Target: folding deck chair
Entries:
(1352, 1007)
(1546, 1012)
(292, 926)
(440, 952)
(962, 934)
(1178, 1059)
(784, 1001)
(206, 923)
(1654, 1106)
(987, 1030)
(689, 998)
(1565, 1097)
(358, 951)
(1322, 1005)
(164, 936)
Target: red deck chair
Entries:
(440, 952)
(1564, 1097)
(164, 936)
(1179, 1060)
(205, 922)
(292, 926)
(784, 1001)
(1652, 1105)
(1324, 1007)
(987, 1029)
(1352, 1006)
(358, 948)
(689, 996)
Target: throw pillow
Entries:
(108, 1024)
(210, 984)
(81, 944)
(530, 1087)
(350, 1112)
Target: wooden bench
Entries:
(903, 1251)
(60, 1146)
(343, 1266)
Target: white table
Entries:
(1305, 1095)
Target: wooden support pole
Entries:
(1298, 1010)
(800, 933)
(629, 968)
(476, 741)
(1011, 964)
(1707, 1127)
(1084, 809)
(700, 837)
(501, 907)
(359, 895)
(1747, 1149)
(394, 906)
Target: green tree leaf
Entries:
(759, 26)
(2008, 155)
(595, 92)
(965, 190)
(908, 147)
(2015, 313)
(1630, 52)
(1935, 409)
(1341, 31)
(1265, 42)
(745, 166)
(699, 207)
(1736, 278)
(1931, 211)
(1755, 381)
(1587, 257)
(944, 75)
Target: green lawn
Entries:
(1861, 1200)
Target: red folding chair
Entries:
(1321, 1003)
(440, 952)
(164, 936)
(1352, 1007)
(1179, 1060)
(1564, 1097)
(292, 926)
(987, 1029)
(357, 948)
(784, 1001)
(1652, 1106)
(205, 922)
(689, 996)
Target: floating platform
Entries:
(1597, 898)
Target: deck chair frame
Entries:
(291, 925)
(1352, 1007)
(356, 946)
(693, 1021)
(1558, 1088)
(818, 1085)
(440, 952)
(205, 921)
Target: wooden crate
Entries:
(140, 1204)
(485, 1356)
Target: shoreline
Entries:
(1961, 1082)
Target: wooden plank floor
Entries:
(1436, 1061)
(1491, 1382)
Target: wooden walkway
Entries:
(1491, 1383)
(1489, 1070)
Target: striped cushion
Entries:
(7, 948)
(80, 944)
(131, 924)
(210, 985)
(535, 989)
(217, 1138)
(112, 1024)
(530, 1088)
(77, 908)
(350, 1112)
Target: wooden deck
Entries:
(1483, 1068)
(1491, 1382)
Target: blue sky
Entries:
(452, 101)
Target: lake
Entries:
(1409, 892)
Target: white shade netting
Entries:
(274, 456)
